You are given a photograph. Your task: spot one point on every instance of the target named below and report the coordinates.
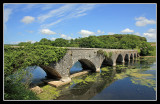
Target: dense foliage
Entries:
(21, 57)
(116, 41)
(16, 59)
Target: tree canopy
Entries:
(116, 41)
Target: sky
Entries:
(32, 22)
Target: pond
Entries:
(134, 80)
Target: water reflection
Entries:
(133, 80)
(86, 90)
(76, 67)
(123, 82)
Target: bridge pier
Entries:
(97, 70)
(123, 61)
(114, 63)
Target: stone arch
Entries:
(51, 73)
(135, 55)
(107, 62)
(119, 58)
(126, 57)
(86, 64)
(131, 56)
(76, 67)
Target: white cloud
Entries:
(152, 30)
(127, 30)
(81, 10)
(65, 37)
(50, 24)
(32, 41)
(55, 12)
(151, 33)
(47, 32)
(7, 13)
(28, 19)
(148, 34)
(53, 39)
(86, 33)
(137, 33)
(143, 21)
(64, 12)
(110, 33)
(100, 32)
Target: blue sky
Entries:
(32, 22)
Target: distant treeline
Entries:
(116, 41)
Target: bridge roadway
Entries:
(88, 58)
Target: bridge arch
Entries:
(126, 57)
(87, 64)
(51, 73)
(131, 56)
(135, 55)
(119, 58)
(107, 62)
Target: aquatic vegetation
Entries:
(121, 66)
(138, 78)
(74, 81)
(120, 76)
(49, 93)
(105, 69)
(88, 78)
(145, 82)
(140, 75)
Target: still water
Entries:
(134, 80)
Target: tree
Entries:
(24, 43)
(111, 42)
(128, 42)
(145, 48)
(44, 41)
(91, 42)
(60, 42)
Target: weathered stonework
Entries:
(37, 89)
(89, 59)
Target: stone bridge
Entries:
(89, 59)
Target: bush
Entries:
(104, 53)
(17, 91)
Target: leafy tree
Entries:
(44, 41)
(111, 42)
(128, 42)
(145, 48)
(24, 43)
(60, 42)
(91, 42)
